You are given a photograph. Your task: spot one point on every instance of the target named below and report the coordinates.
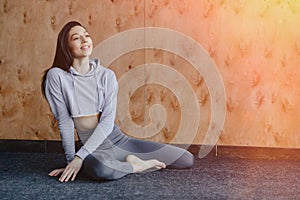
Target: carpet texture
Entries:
(24, 176)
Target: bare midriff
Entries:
(86, 123)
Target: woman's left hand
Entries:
(71, 170)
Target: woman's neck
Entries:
(82, 66)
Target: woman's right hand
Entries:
(70, 171)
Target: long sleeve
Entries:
(55, 98)
(106, 122)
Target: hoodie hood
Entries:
(95, 66)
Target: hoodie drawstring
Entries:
(87, 83)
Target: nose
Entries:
(83, 39)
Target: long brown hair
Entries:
(63, 58)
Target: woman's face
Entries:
(80, 42)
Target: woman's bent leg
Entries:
(103, 167)
(109, 161)
(172, 156)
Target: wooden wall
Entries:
(201, 51)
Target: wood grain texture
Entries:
(254, 44)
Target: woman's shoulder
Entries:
(108, 75)
(55, 73)
(109, 72)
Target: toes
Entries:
(161, 164)
(140, 165)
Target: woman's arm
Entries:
(106, 123)
(59, 109)
(53, 92)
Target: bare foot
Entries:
(140, 165)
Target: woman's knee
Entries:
(98, 169)
(185, 161)
(189, 159)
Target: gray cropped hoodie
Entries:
(71, 94)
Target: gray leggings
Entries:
(108, 160)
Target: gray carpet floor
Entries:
(24, 176)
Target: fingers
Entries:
(74, 176)
(53, 173)
(68, 173)
(56, 172)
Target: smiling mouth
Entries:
(85, 47)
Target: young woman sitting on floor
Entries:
(82, 94)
